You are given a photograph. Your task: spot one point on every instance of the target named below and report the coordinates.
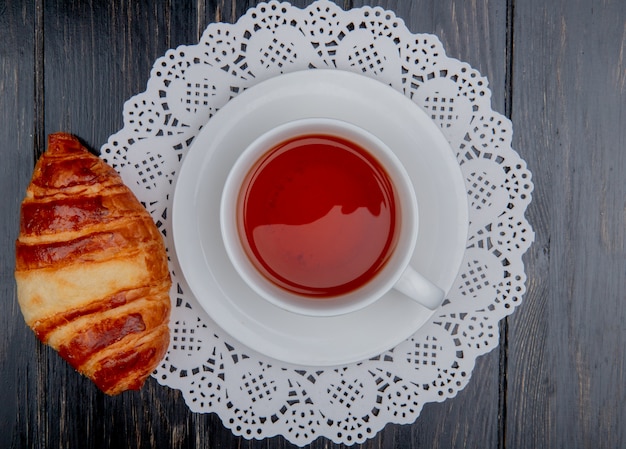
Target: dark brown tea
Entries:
(317, 216)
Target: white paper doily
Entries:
(257, 397)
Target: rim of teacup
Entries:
(356, 299)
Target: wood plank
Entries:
(566, 368)
(99, 55)
(16, 134)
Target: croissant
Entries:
(91, 269)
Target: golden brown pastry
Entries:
(91, 269)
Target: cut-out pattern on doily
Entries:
(257, 397)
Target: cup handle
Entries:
(419, 289)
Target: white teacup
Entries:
(308, 239)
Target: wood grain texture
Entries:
(16, 137)
(90, 58)
(558, 68)
(567, 378)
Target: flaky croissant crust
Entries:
(91, 268)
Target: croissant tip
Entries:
(63, 142)
(59, 136)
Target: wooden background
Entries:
(556, 68)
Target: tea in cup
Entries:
(319, 217)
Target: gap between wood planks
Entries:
(504, 324)
(39, 138)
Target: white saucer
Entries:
(386, 113)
